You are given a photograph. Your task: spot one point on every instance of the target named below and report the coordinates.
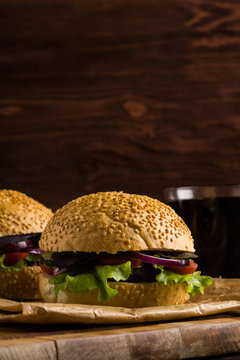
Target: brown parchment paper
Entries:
(222, 296)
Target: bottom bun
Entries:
(131, 295)
(20, 285)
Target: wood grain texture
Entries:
(29, 350)
(174, 340)
(124, 95)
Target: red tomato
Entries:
(47, 269)
(136, 263)
(14, 257)
(111, 259)
(183, 270)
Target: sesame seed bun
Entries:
(20, 285)
(20, 214)
(115, 221)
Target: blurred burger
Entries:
(117, 249)
(22, 219)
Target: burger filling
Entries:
(82, 272)
(17, 251)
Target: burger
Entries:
(118, 249)
(22, 220)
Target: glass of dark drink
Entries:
(213, 215)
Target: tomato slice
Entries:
(13, 257)
(184, 270)
(136, 263)
(112, 259)
(47, 269)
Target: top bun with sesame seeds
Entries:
(20, 214)
(22, 219)
(101, 249)
(115, 221)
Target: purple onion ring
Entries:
(159, 261)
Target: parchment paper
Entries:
(223, 296)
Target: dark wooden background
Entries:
(132, 95)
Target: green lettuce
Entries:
(94, 279)
(33, 258)
(97, 278)
(195, 281)
(19, 265)
(16, 267)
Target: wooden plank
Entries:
(29, 349)
(124, 95)
(167, 342)
(173, 340)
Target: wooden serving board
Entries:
(200, 337)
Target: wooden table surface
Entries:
(122, 95)
(201, 337)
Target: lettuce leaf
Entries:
(19, 265)
(82, 283)
(97, 278)
(16, 267)
(116, 272)
(59, 283)
(195, 281)
(94, 279)
(33, 258)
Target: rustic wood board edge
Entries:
(175, 340)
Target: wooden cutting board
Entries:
(172, 340)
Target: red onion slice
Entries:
(159, 261)
(35, 251)
(13, 239)
(58, 271)
(177, 255)
(17, 246)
